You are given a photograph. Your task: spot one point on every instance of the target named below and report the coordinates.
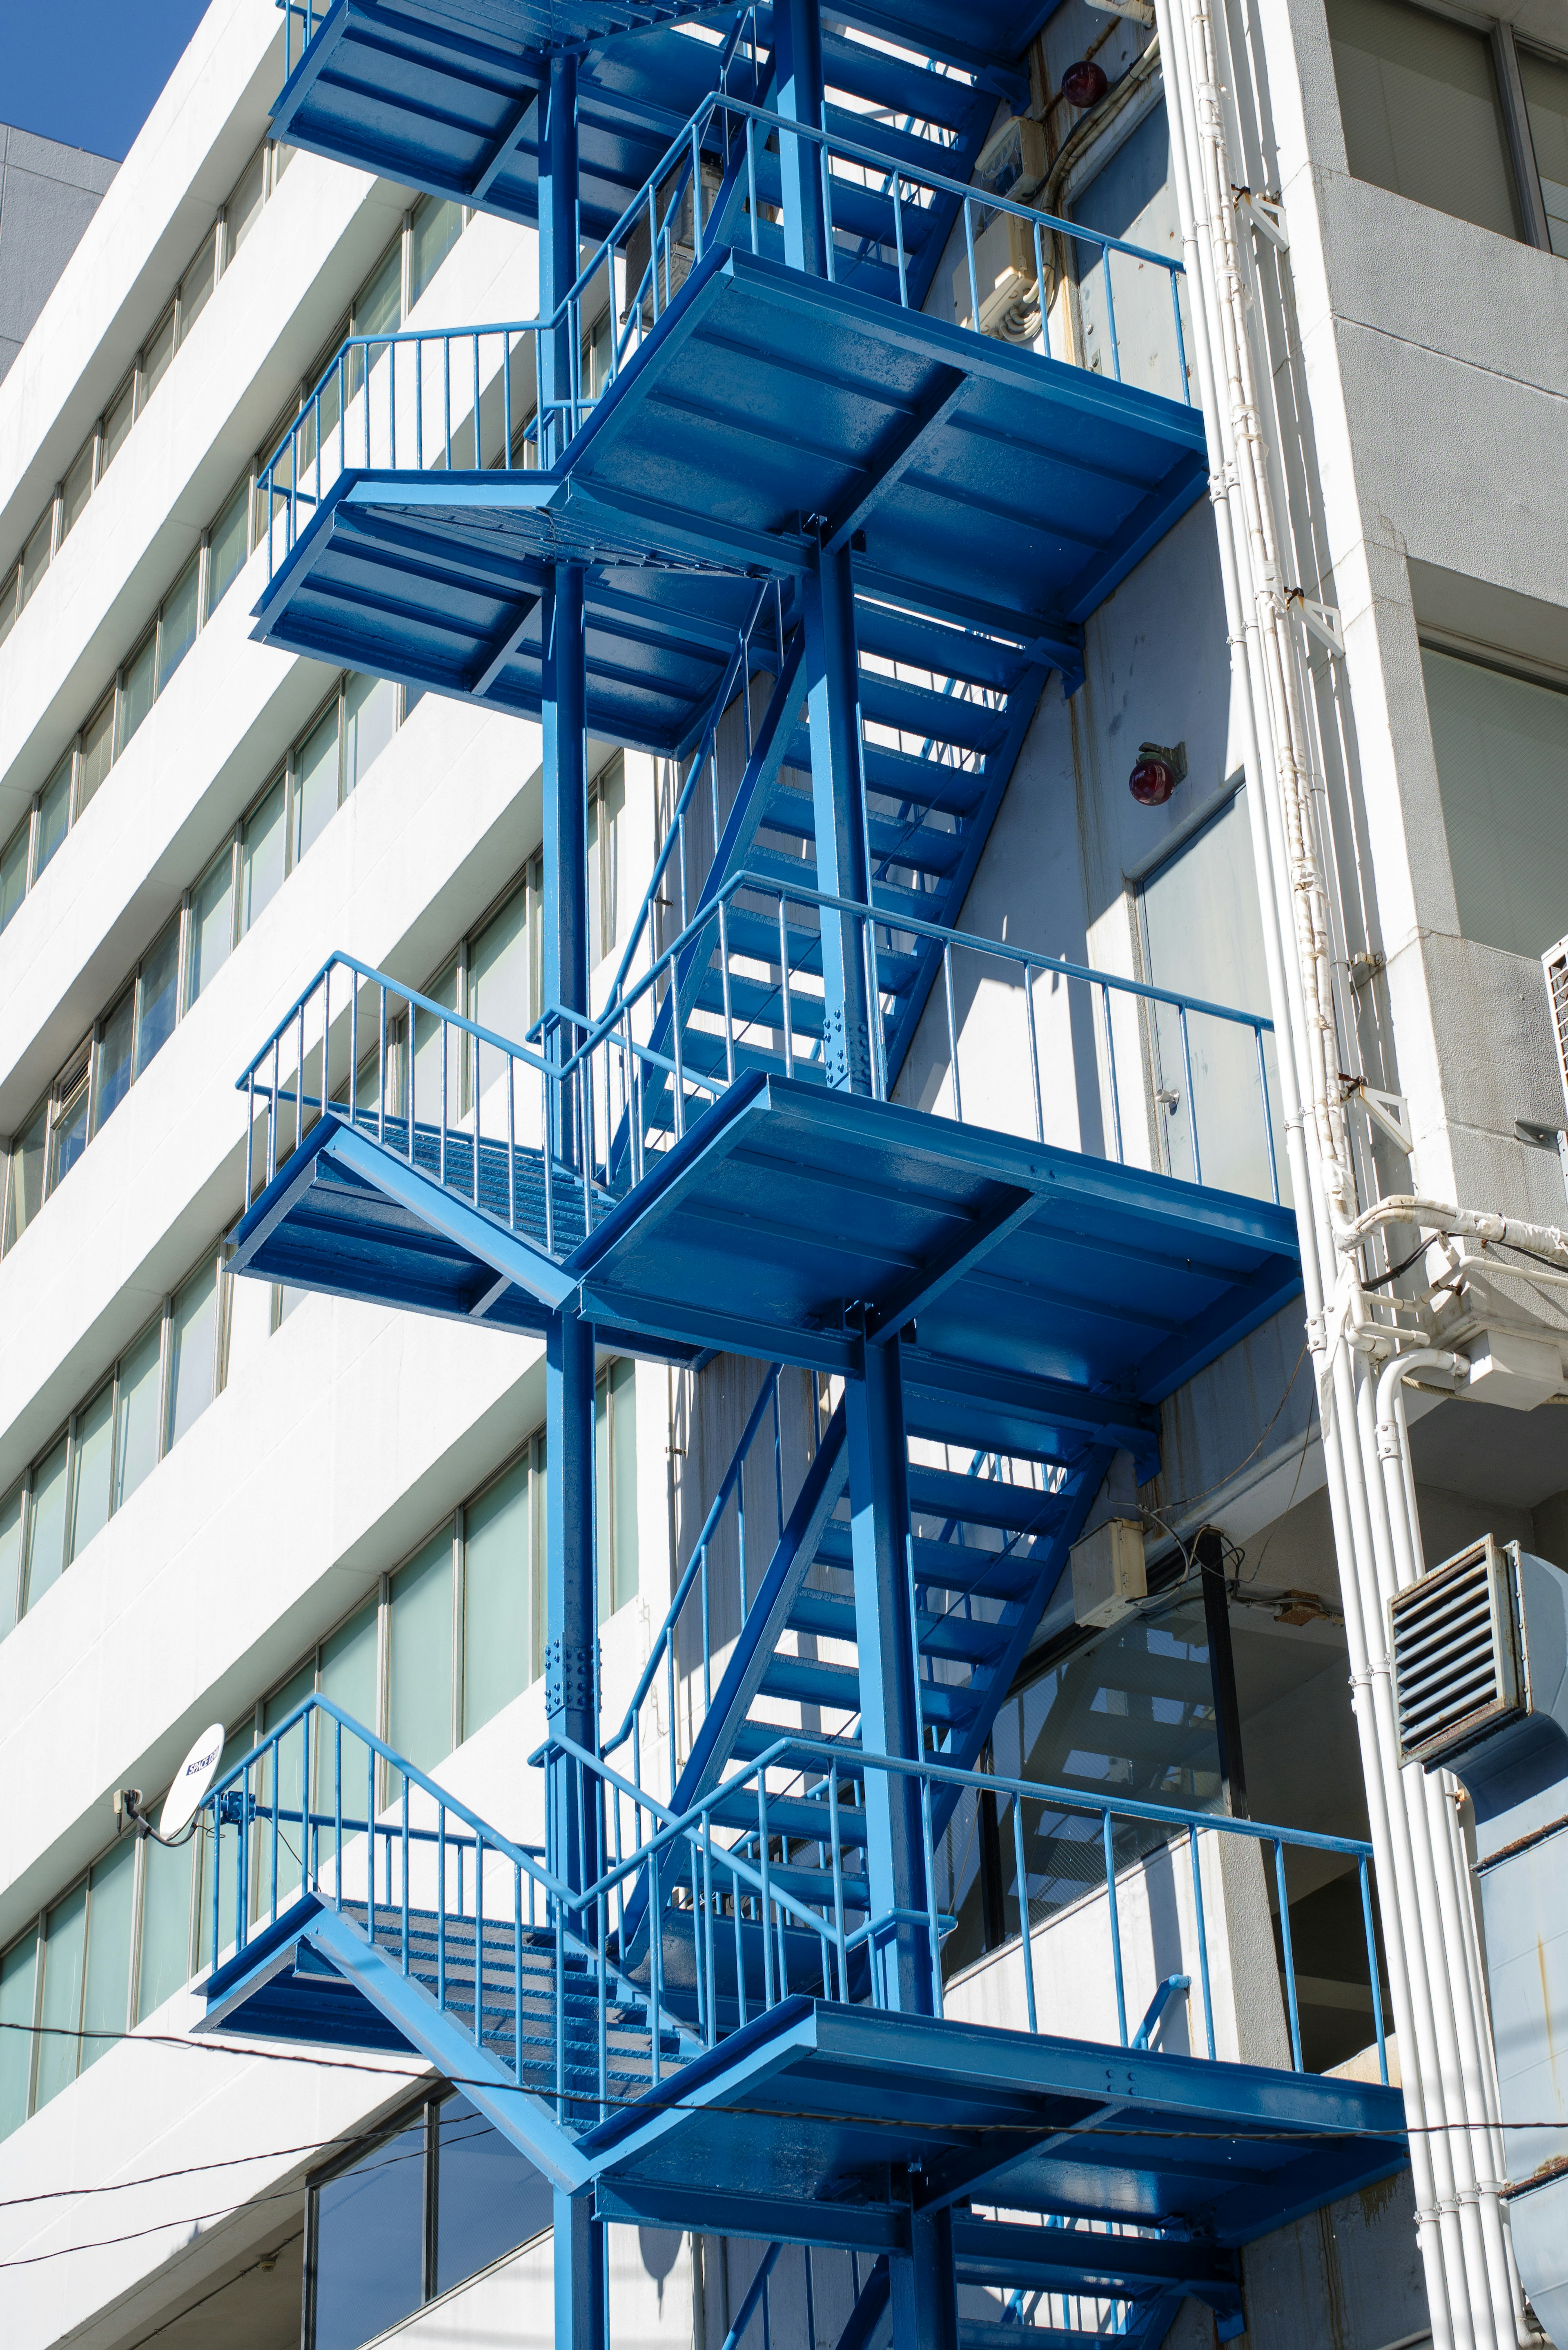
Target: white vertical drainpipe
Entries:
(1426, 1904)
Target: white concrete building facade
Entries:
(217, 1494)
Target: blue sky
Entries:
(87, 71)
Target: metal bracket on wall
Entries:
(1322, 621)
(1140, 11)
(1267, 213)
(1391, 1112)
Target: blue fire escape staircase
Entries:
(782, 485)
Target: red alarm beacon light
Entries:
(1152, 781)
(1084, 84)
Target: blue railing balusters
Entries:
(712, 129)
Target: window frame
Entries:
(1504, 45)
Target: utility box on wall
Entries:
(1109, 1577)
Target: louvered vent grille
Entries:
(1554, 962)
(1456, 1655)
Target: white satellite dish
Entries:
(191, 1780)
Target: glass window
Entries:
(192, 1352)
(226, 548)
(54, 812)
(368, 2241)
(289, 1794)
(606, 803)
(156, 995)
(36, 555)
(46, 1523)
(118, 419)
(93, 1458)
(261, 853)
(498, 986)
(156, 356)
(68, 1123)
(282, 156)
(10, 1562)
(437, 225)
(380, 308)
(195, 286)
(1419, 100)
(244, 207)
(136, 692)
(177, 621)
(78, 491)
(136, 1418)
(316, 782)
(165, 1924)
(615, 1433)
(489, 2198)
(10, 604)
(1546, 84)
(111, 1920)
(114, 1044)
(428, 1074)
(1502, 745)
(420, 1694)
(1132, 197)
(14, 870)
(1202, 936)
(18, 1975)
(65, 1950)
(348, 1669)
(212, 922)
(500, 1576)
(370, 722)
(97, 751)
(26, 1195)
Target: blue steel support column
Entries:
(581, 2317)
(558, 249)
(573, 1816)
(839, 813)
(924, 2287)
(833, 676)
(797, 55)
(889, 1693)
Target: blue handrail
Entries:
(655, 211)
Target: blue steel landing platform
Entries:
(442, 592)
(840, 2095)
(830, 1213)
(765, 417)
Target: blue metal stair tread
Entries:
(1082, 2259)
(758, 935)
(752, 1738)
(763, 395)
(758, 999)
(817, 2090)
(815, 1886)
(951, 1566)
(807, 1817)
(978, 1500)
(439, 595)
(1117, 1277)
(916, 709)
(805, 1680)
(947, 1635)
(936, 784)
(928, 847)
(890, 898)
(971, 655)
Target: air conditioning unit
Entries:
(1456, 1650)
